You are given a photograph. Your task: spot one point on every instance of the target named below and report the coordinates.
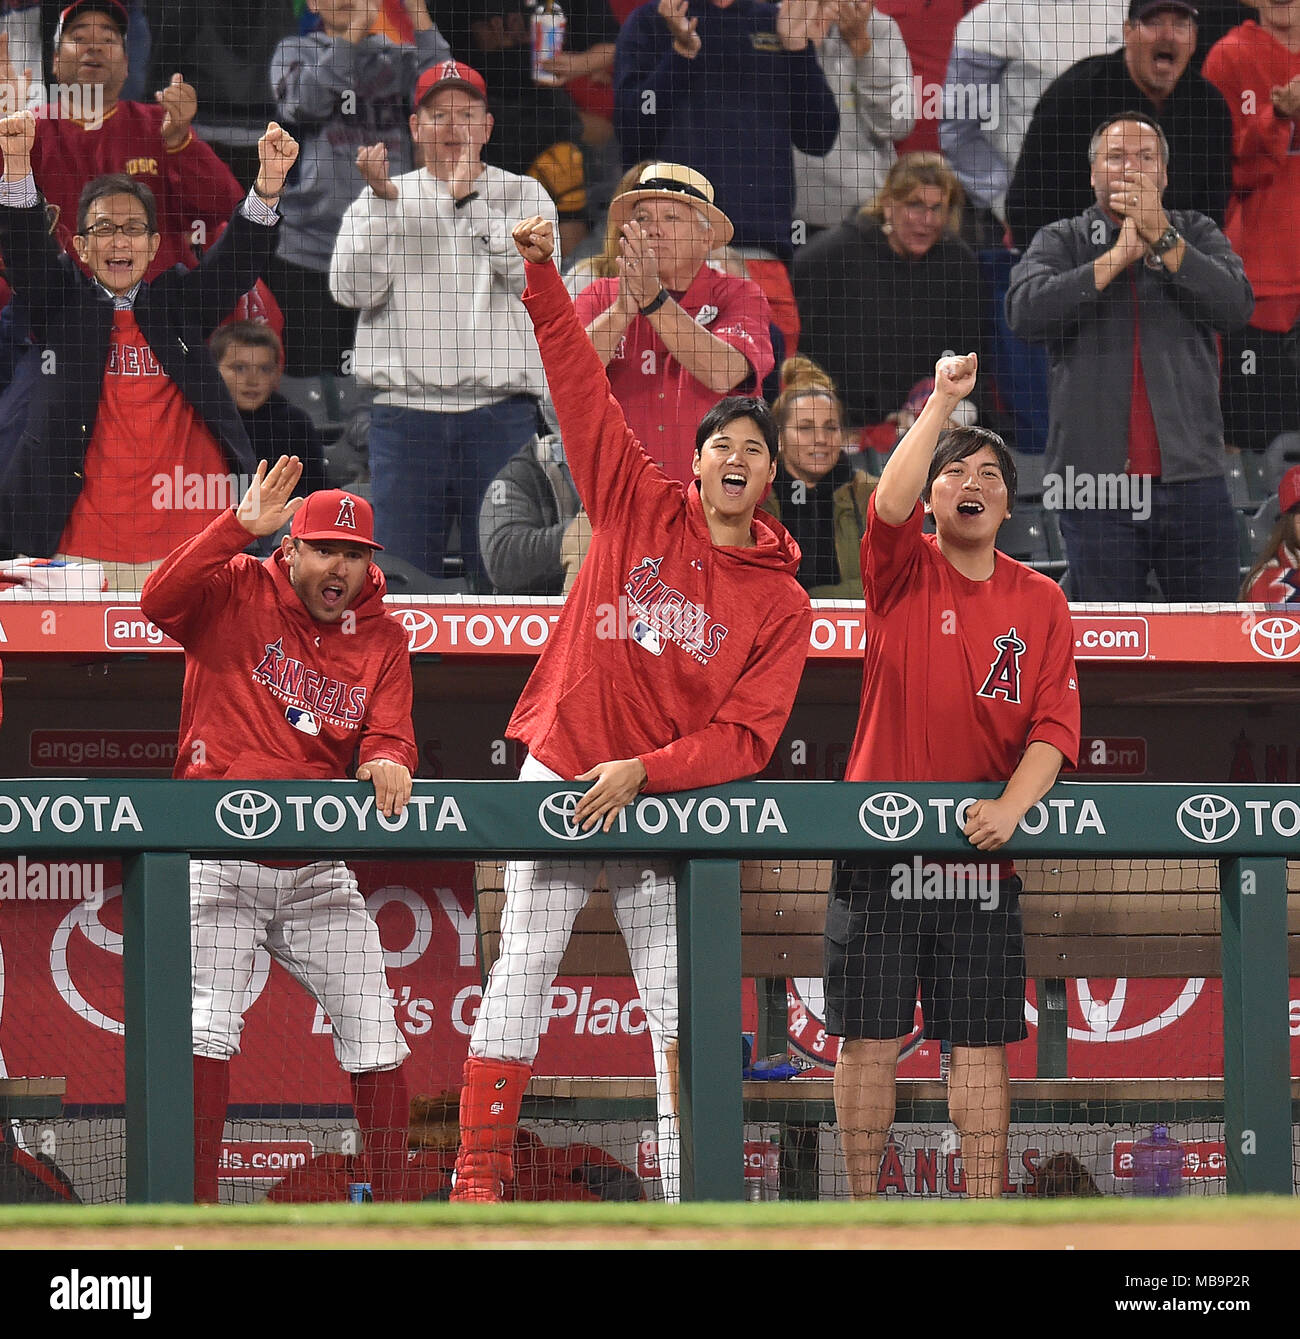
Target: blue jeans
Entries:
(426, 468)
(1189, 541)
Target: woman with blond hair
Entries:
(885, 294)
(818, 495)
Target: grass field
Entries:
(1198, 1223)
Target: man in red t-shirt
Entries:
(675, 336)
(968, 676)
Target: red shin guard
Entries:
(382, 1107)
(211, 1097)
(489, 1116)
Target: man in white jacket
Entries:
(443, 339)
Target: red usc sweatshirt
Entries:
(671, 649)
(270, 693)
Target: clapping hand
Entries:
(372, 163)
(686, 41)
(180, 103)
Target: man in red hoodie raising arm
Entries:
(674, 665)
(292, 667)
(968, 675)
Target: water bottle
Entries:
(1158, 1164)
(548, 40)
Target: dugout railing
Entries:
(155, 826)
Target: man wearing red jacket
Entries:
(674, 665)
(292, 667)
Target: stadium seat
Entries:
(1256, 476)
(1029, 475)
(1245, 545)
(1260, 525)
(1283, 452)
(1238, 487)
(406, 579)
(1024, 535)
(308, 395)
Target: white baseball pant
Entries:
(543, 899)
(312, 920)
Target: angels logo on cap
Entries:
(333, 514)
(449, 74)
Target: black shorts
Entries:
(965, 955)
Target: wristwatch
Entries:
(1166, 241)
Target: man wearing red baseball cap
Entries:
(293, 667)
(442, 339)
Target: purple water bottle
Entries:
(1158, 1164)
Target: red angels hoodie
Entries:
(270, 693)
(671, 649)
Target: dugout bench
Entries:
(1085, 918)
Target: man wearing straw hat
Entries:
(675, 335)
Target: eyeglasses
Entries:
(1180, 23)
(918, 210)
(105, 229)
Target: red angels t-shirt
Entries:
(154, 474)
(959, 676)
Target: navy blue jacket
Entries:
(72, 320)
(732, 113)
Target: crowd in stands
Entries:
(810, 200)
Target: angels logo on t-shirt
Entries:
(309, 697)
(1004, 675)
(668, 613)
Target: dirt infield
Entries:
(1202, 1224)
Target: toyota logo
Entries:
(893, 812)
(248, 815)
(421, 629)
(1275, 638)
(555, 814)
(1215, 817)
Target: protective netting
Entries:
(866, 185)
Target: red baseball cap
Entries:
(111, 8)
(335, 515)
(1288, 490)
(449, 74)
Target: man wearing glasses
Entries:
(132, 438)
(1150, 75)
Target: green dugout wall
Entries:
(154, 826)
